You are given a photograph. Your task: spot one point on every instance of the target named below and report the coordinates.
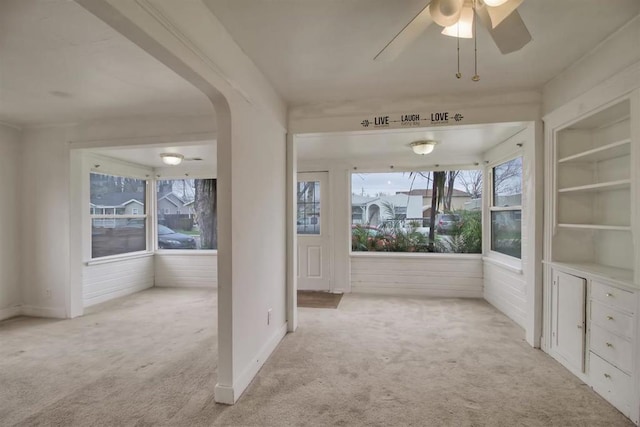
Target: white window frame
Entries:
(511, 261)
(166, 211)
(115, 216)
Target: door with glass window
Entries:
(314, 238)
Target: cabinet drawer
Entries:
(612, 320)
(610, 347)
(611, 383)
(615, 297)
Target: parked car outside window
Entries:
(169, 239)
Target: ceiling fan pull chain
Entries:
(475, 77)
(458, 74)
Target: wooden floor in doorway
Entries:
(316, 299)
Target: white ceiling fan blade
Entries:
(406, 36)
(500, 13)
(511, 35)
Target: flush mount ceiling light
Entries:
(172, 159)
(423, 147)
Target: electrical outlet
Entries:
(269, 316)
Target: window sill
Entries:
(513, 265)
(189, 252)
(118, 258)
(414, 255)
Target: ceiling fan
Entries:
(499, 17)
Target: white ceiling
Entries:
(320, 50)
(59, 63)
(150, 156)
(456, 145)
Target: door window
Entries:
(308, 220)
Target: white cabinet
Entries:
(592, 244)
(568, 336)
(612, 321)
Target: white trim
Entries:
(190, 252)
(230, 394)
(414, 255)
(9, 312)
(494, 259)
(48, 312)
(111, 166)
(120, 257)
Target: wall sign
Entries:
(412, 120)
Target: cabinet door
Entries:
(569, 318)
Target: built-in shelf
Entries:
(602, 186)
(607, 152)
(621, 276)
(596, 227)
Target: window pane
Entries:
(391, 212)
(187, 214)
(507, 183)
(112, 194)
(506, 232)
(308, 220)
(114, 236)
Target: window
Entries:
(116, 226)
(392, 212)
(194, 223)
(506, 208)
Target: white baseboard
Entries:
(424, 292)
(9, 312)
(50, 312)
(88, 302)
(178, 284)
(230, 395)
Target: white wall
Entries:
(506, 290)
(613, 55)
(44, 226)
(431, 275)
(515, 286)
(106, 281)
(186, 270)
(10, 213)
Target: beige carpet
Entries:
(149, 359)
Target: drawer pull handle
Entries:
(609, 294)
(609, 345)
(607, 376)
(609, 317)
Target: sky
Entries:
(388, 183)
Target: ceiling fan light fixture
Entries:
(495, 3)
(171, 159)
(464, 27)
(423, 147)
(446, 12)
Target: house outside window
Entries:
(506, 208)
(118, 219)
